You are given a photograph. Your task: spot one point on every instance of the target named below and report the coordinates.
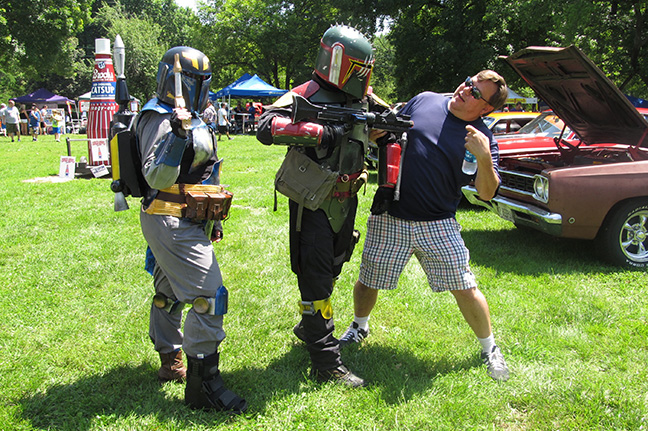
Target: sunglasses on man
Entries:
(475, 91)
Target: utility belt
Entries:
(348, 185)
(193, 201)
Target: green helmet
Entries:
(345, 59)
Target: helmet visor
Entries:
(195, 90)
(347, 71)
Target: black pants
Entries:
(317, 255)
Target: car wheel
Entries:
(624, 238)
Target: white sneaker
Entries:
(495, 364)
(353, 334)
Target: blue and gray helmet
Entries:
(196, 77)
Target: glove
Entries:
(332, 136)
(382, 200)
(388, 138)
(176, 126)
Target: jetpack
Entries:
(126, 166)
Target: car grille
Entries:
(515, 181)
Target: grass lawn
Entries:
(74, 301)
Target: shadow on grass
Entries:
(530, 252)
(130, 395)
(399, 374)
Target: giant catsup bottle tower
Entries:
(102, 104)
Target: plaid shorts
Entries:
(437, 245)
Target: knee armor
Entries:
(310, 308)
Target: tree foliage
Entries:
(37, 41)
(437, 43)
(142, 38)
(276, 39)
(425, 44)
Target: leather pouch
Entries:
(197, 205)
(219, 205)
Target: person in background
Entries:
(238, 117)
(12, 119)
(34, 121)
(209, 115)
(43, 124)
(56, 126)
(422, 222)
(223, 122)
(3, 127)
(24, 121)
(251, 116)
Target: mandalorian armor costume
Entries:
(322, 240)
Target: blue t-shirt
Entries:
(431, 177)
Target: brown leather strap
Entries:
(171, 197)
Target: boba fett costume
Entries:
(180, 164)
(321, 240)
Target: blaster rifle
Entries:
(388, 120)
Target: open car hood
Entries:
(582, 96)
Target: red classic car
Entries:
(540, 133)
(594, 186)
(508, 122)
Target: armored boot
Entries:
(324, 350)
(172, 369)
(205, 388)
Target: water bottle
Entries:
(469, 166)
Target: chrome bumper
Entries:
(519, 213)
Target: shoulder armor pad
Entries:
(155, 105)
(283, 101)
(307, 89)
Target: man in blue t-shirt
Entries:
(422, 222)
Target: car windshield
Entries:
(488, 120)
(546, 124)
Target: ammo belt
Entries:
(194, 201)
(348, 185)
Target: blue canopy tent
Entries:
(213, 96)
(252, 87)
(247, 86)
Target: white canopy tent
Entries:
(514, 98)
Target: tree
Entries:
(456, 38)
(614, 34)
(148, 28)
(382, 77)
(144, 48)
(37, 39)
(278, 40)
(438, 44)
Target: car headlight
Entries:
(541, 188)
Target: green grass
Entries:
(74, 301)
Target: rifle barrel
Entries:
(305, 110)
